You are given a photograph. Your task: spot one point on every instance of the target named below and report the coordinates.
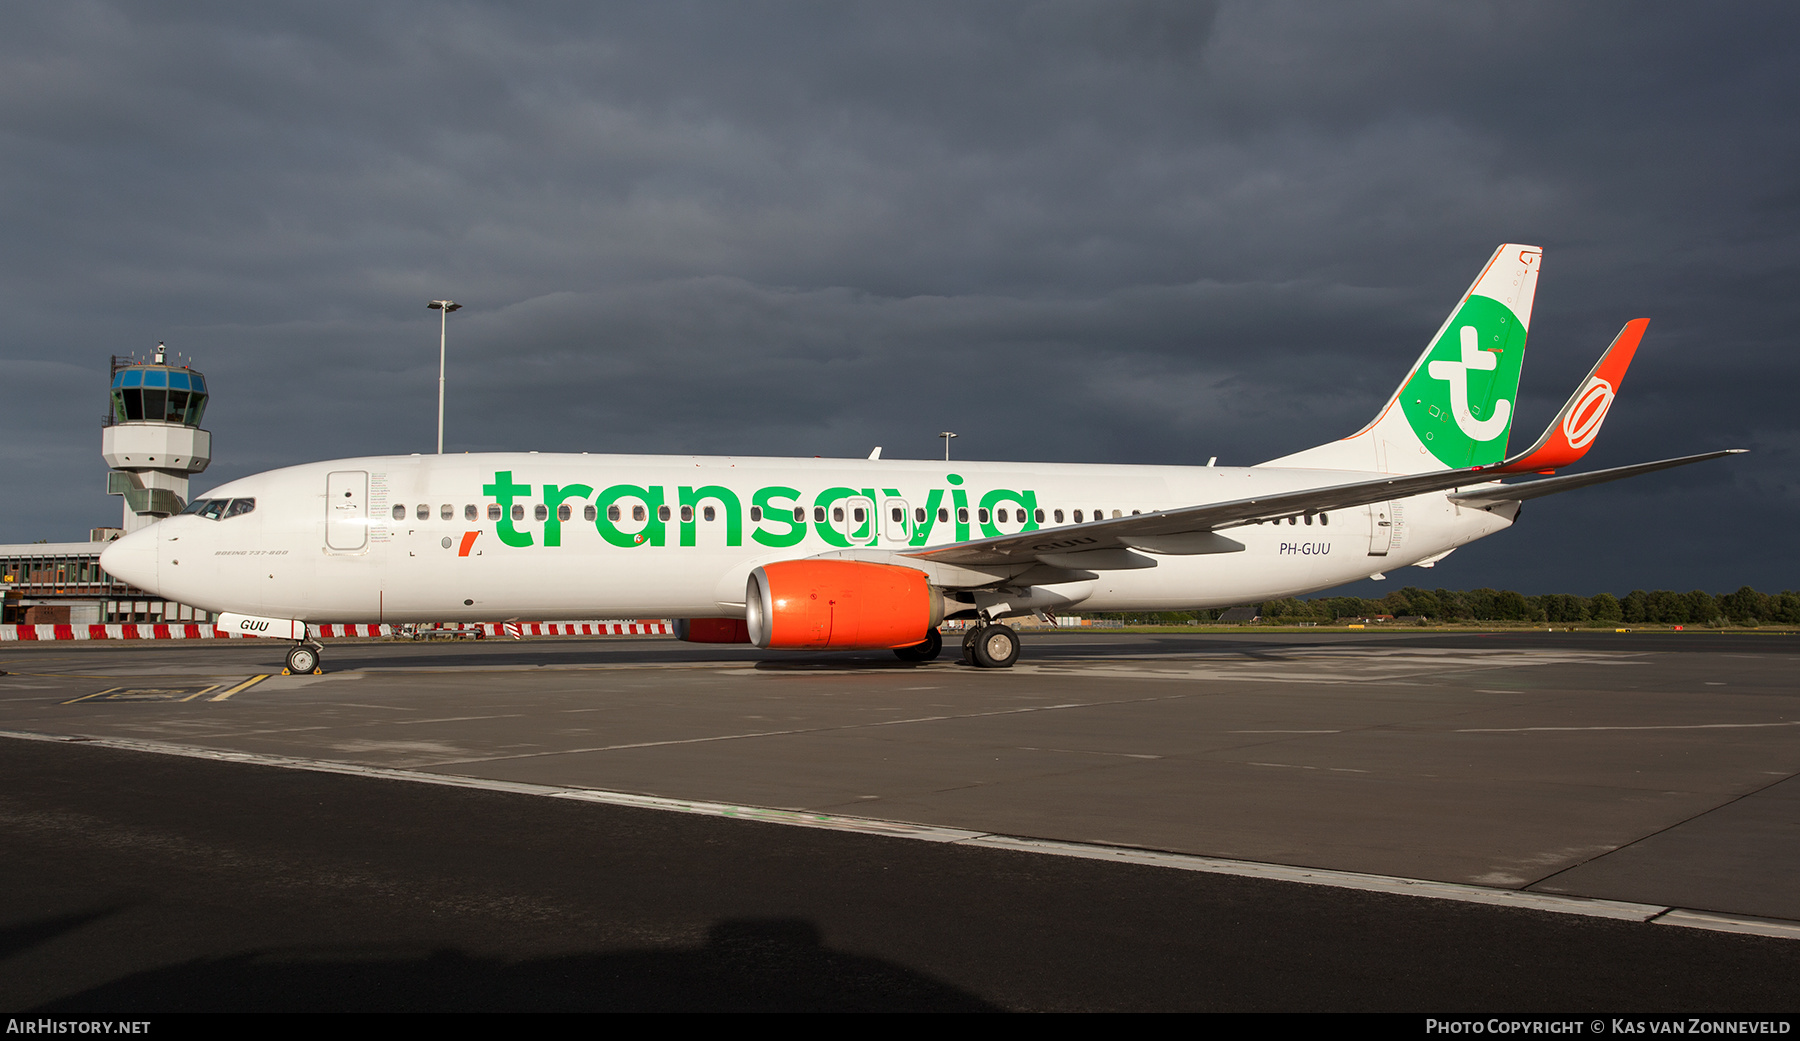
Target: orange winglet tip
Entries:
(1573, 430)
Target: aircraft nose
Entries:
(133, 558)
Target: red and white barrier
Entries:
(642, 627)
(125, 631)
(205, 631)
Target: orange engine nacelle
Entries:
(712, 630)
(840, 603)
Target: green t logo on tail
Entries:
(1460, 401)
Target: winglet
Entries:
(1573, 430)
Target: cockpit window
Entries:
(220, 509)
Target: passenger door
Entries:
(346, 510)
(1381, 528)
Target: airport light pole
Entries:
(947, 435)
(444, 307)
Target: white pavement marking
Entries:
(1417, 887)
(1321, 665)
(1668, 726)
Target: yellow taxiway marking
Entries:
(181, 694)
(96, 694)
(146, 694)
(246, 685)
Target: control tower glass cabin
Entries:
(152, 439)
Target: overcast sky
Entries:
(1098, 232)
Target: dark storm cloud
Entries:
(1093, 231)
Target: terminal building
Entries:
(153, 443)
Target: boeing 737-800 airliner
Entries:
(875, 553)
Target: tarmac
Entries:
(1513, 820)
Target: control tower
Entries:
(152, 438)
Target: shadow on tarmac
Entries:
(746, 965)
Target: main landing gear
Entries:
(303, 659)
(990, 645)
(927, 651)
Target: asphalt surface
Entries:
(1602, 767)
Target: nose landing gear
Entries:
(303, 659)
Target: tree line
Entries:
(1746, 607)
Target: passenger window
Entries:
(423, 512)
(399, 511)
(470, 513)
(918, 515)
(687, 515)
(540, 512)
(858, 514)
(563, 512)
(446, 512)
(1001, 518)
(982, 515)
(662, 513)
(706, 513)
(1040, 516)
(899, 515)
(943, 515)
(1115, 513)
(1078, 516)
(518, 512)
(799, 515)
(588, 512)
(962, 515)
(837, 514)
(1058, 516)
(493, 511)
(818, 514)
(637, 513)
(1309, 518)
(612, 513)
(756, 514)
(1324, 518)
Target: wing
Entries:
(1191, 529)
(1499, 493)
(1108, 545)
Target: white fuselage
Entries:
(345, 541)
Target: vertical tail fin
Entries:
(1455, 407)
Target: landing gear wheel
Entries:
(995, 647)
(927, 651)
(302, 660)
(968, 648)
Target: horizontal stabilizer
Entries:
(1500, 493)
